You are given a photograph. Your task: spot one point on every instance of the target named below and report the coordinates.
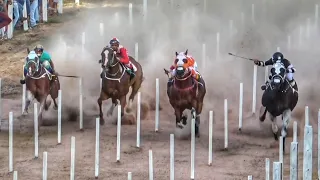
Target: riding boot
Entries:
(264, 86)
(292, 82)
(23, 81)
(131, 73)
(102, 74)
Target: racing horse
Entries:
(185, 93)
(39, 85)
(279, 98)
(116, 82)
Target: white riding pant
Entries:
(290, 76)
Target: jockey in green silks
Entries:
(44, 60)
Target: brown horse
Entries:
(185, 92)
(116, 82)
(39, 85)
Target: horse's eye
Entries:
(176, 61)
(282, 70)
(185, 60)
(273, 70)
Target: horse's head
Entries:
(109, 59)
(181, 62)
(278, 74)
(32, 63)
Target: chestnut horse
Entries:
(39, 85)
(116, 82)
(185, 92)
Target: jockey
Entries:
(45, 60)
(122, 53)
(278, 56)
(191, 66)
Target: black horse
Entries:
(279, 98)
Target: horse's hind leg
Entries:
(274, 127)
(135, 88)
(102, 97)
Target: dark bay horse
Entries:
(185, 93)
(116, 82)
(39, 85)
(279, 98)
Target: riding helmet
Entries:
(114, 41)
(277, 56)
(39, 47)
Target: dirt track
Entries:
(247, 150)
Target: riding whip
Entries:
(250, 59)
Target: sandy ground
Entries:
(247, 149)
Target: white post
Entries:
(83, 40)
(73, 155)
(80, 105)
(193, 122)
(230, 28)
(157, 105)
(136, 51)
(210, 137)
(252, 13)
(203, 56)
(319, 144)
(316, 15)
(44, 11)
(59, 115)
(278, 49)
(150, 165)
(118, 133)
(10, 142)
(23, 92)
(130, 14)
(289, 43)
(307, 153)
(45, 166)
(218, 47)
(306, 115)
(300, 36)
(250, 177)
(254, 89)
(138, 118)
(15, 175)
(171, 156)
(25, 15)
(36, 133)
(129, 175)
(10, 26)
(76, 2)
(308, 28)
(240, 106)
(267, 169)
(60, 7)
(96, 167)
(101, 29)
(281, 153)
(294, 159)
(277, 169)
(225, 124)
(145, 9)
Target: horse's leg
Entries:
(30, 98)
(113, 105)
(102, 97)
(54, 93)
(123, 102)
(42, 101)
(262, 113)
(274, 127)
(135, 88)
(178, 114)
(286, 117)
(198, 112)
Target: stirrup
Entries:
(22, 81)
(263, 87)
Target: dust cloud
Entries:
(187, 24)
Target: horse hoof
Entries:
(178, 125)
(128, 110)
(262, 118)
(101, 122)
(24, 113)
(276, 136)
(55, 108)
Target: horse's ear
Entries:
(177, 53)
(28, 51)
(186, 53)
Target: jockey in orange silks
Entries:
(188, 62)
